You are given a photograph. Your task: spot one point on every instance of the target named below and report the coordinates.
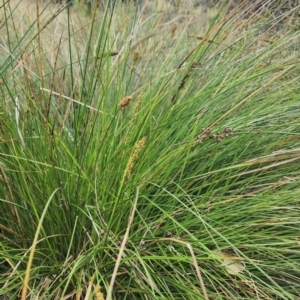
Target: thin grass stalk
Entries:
(33, 247)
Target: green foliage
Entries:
(145, 158)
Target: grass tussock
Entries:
(149, 152)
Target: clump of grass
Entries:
(188, 188)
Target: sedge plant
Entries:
(149, 153)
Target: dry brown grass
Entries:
(147, 36)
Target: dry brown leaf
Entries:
(232, 264)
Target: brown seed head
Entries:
(173, 30)
(138, 147)
(219, 138)
(125, 101)
(136, 56)
(138, 105)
